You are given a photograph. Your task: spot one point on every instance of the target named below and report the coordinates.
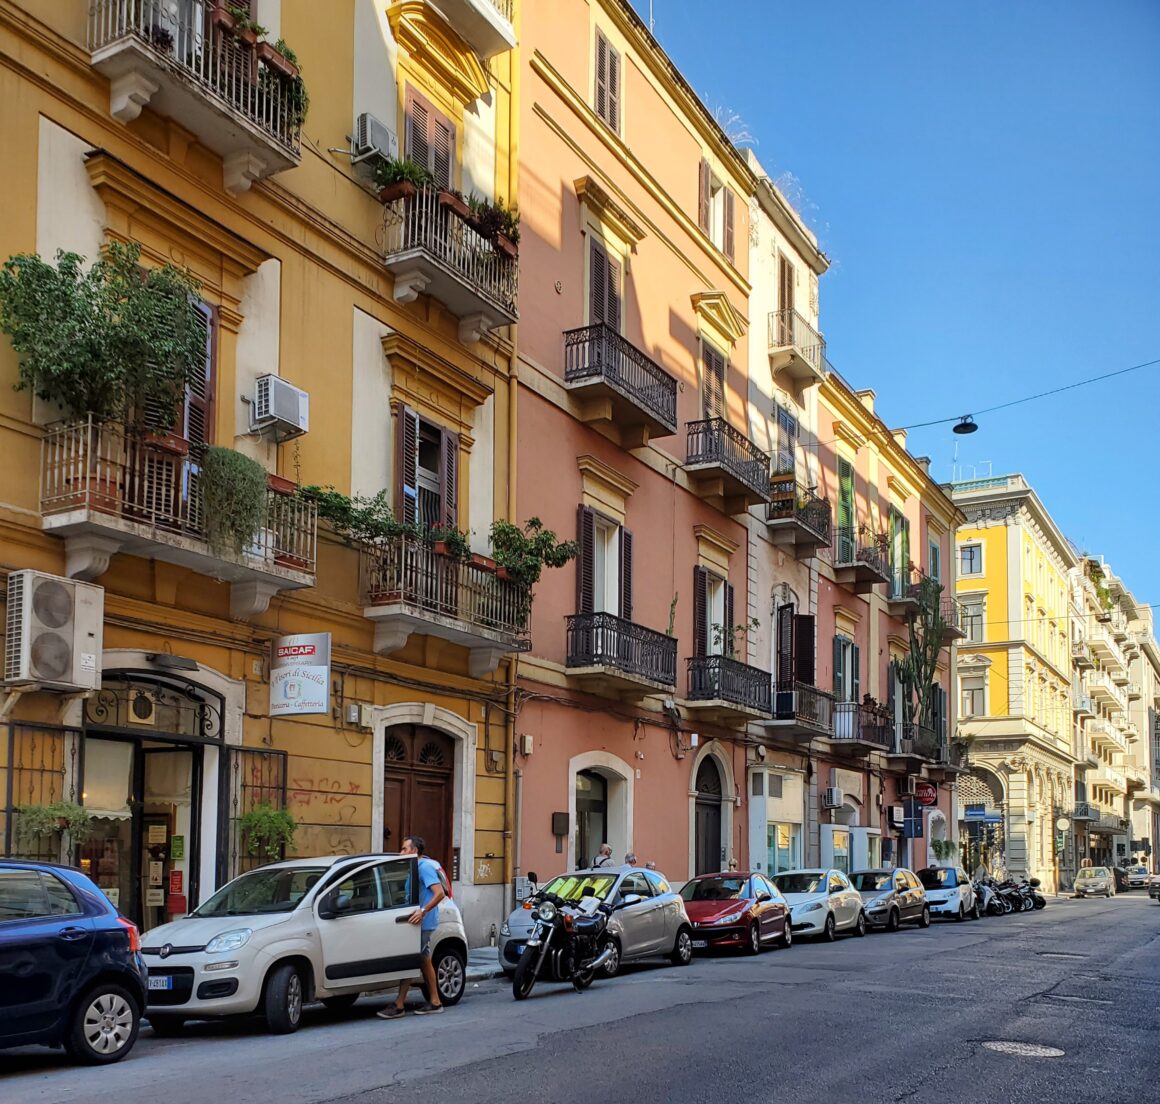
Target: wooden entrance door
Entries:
(418, 781)
(708, 818)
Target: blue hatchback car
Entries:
(71, 971)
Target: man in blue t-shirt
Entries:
(427, 916)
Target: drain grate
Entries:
(1024, 1050)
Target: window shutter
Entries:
(585, 560)
(713, 366)
(855, 674)
(700, 611)
(704, 185)
(612, 291)
(804, 628)
(730, 639)
(891, 689)
(839, 671)
(597, 283)
(407, 466)
(416, 146)
(613, 117)
(448, 478)
(197, 425)
(442, 141)
(729, 217)
(785, 645)
(601, 96)
(625, 574)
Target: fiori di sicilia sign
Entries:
(300, 675)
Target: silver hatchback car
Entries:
(655, 926)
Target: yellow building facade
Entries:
(384, 324)
(1014, 678)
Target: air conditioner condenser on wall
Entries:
(54, 632)
(280, 407)
(832, 797)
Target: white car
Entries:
(1137, 877)
(949, 892)
(326, 929)
(821, 902)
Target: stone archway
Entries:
(618, 778)
(719, 753)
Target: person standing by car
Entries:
(603, 856)
(427, 916)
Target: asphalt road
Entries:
(889, 1018)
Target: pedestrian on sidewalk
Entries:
(603, 856)
(427, 917)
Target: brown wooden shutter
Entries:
(416, 146)
(442, 141)
(700, 611)
(597, 283)
(785, 645)
(730, 214)
(612, 292)
(601, 90)
(197, 423)
(585, 560)
(713, 365)
(704, 187)
(803, 630)
(448, 478)
(407, 466)
(730, 639)
(613, 117)
(625, 574)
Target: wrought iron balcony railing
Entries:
(602, 639)
(185, 41)
(1084, 810)
(790, 501)
(807, 705)
(853, 548)
(719, 678)
(599, 353)
(923, 741)
(409, 572)
(954, 616)
(861, 724)
(714, 442)
(788, 330)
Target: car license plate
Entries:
(161, 983)
(700, 944)
(518, 948)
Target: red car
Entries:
(736, 909)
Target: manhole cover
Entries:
(1024, 1050)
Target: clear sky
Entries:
(985, 177)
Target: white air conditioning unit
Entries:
(54, 635)
(373, 138)
(832, 797)
(280, 406)
(905, 786)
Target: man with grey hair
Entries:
(630, 858)
(603, 856)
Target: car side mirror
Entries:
(532, 877)
(630, 899)
(333, 905)
(763, 896)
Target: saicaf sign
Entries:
(926, 793)
(300, 675)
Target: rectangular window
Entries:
(785, 297)
(934, 562)
(846, 513)
(899, 550)
(970, 559)
(712, 613)
(713, 376)
(785, 457)
(716, 210)
(429, 139)
(973, 620)
(608, 82)
(604, 294)
(847, 676)
(783, 847)
(603, 565)
(972, 689)
(426, 472)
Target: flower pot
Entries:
(294, 563)
(506, 246)
(249, 37)
(401, 189)
(440, 547)
(268, 55)
(167, 442)
(485, 563)
(223, 20)
(455, 205)
(279, 484)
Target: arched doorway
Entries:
(418, 789)
(709, 787)
(591, 815)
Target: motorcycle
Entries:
(1038, 901)
(1010, 897)
(565, 943)
(989, 903)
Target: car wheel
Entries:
(103, 1026)
(682, 953)
(961, 915)
(975, 914)
(753, 944)
(924, 919)
(893, 921)
(282, 1004)
(340, 1004)
(450, 974)
(787, 935)
(612, 966)
(830, 929)
(860, 924)
(167, 1027)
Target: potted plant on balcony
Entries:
(223, 18)
(160, 37)
(449, 541)
(279, 57)
(454, 202)
(233, 489)
(399, 178)
(246, 29)
(726, 637)
(496, 223)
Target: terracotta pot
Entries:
(486, 563)
(167, 442)
(295, 563)
(401, 189)
(223, 20)
(440, 547)
(456, 205)
(506, 246)
(277, 61)
(279, 484)
(501, 572)
(249, 37)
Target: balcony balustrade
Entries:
(802, 710)
(610, 655)
(954, 618)
(431, 247)
(796, 348)
(797, 517)
(723, 689)
(860, 559)
(1081, 658)
(903, 590)
(725, 466)
(1084, 810)
(485, 25)
(178, 60)
(861, 728)
(1081, 704)
(408, 587)
(619, 385)
(106, 490)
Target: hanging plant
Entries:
(526, 552)
(359, 520)
(267, 831)
(233, 488)
(114, 340)
(61, 816)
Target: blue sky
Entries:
(985, 177)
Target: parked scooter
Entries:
(988, 899)
(565, 942)
(1031, 889)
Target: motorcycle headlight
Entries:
(229, 941)
(732, 918)
(547, 911)
(505, 929)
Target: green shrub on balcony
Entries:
(233, 489)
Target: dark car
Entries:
(71, 971)
(892, 897)
(736, 910)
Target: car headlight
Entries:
(732, 918)
(505, 929)
(229, 941)
(815, 907)
(546, 911)
(880, 902)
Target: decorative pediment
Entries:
(434, 46)
(432, 384)
(714, 548)
(597, 202)
(900, 489)
(604, 488)
(719, 315)
(847, 433)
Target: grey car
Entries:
(655, 926)
(892, 898)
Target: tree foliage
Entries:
(916, 672)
